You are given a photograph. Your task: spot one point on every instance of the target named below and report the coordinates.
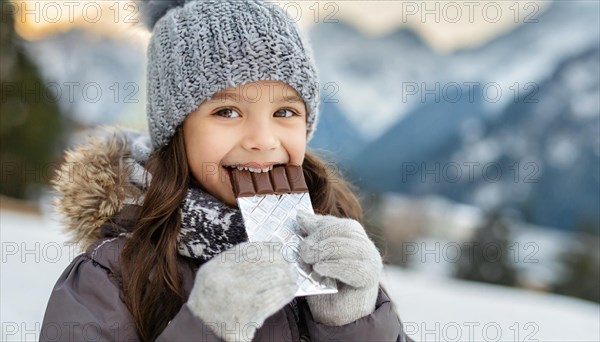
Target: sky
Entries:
(445, 25)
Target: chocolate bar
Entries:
(282, 179)
(269, 202)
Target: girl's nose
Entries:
(260, 136)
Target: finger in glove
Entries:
(335, 248)
(356, 273)
(320, 227)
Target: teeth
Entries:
(251, 169)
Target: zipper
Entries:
(300, 320)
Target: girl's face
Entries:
(255, 125)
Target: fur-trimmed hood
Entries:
(96, 180)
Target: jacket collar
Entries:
(123, 221)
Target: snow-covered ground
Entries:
(432, 308)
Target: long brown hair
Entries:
(151, 280)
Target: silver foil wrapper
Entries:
(272, 218)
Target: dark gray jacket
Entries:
(86, 304)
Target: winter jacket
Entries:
(87, 300)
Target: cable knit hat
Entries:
(199, 47)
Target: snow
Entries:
(432, 308)
(441, 309)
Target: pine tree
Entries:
(31, 125)
(486, 257)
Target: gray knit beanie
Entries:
(199, 47)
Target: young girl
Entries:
(230, 84)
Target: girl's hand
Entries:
(339, 248)
(238, 289)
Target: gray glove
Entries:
(237, 290)
(339, 248)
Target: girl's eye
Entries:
(227, 113)
(291, 113)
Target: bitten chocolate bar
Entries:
(282, 179)
(269, 202)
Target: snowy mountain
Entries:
(95, 79)
(398, 160)
(539, 156)
(559, 134)
(532, 50)
(533, 148)
(374, 75)
(339, 138)
(367, 73)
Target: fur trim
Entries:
(93, 184)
